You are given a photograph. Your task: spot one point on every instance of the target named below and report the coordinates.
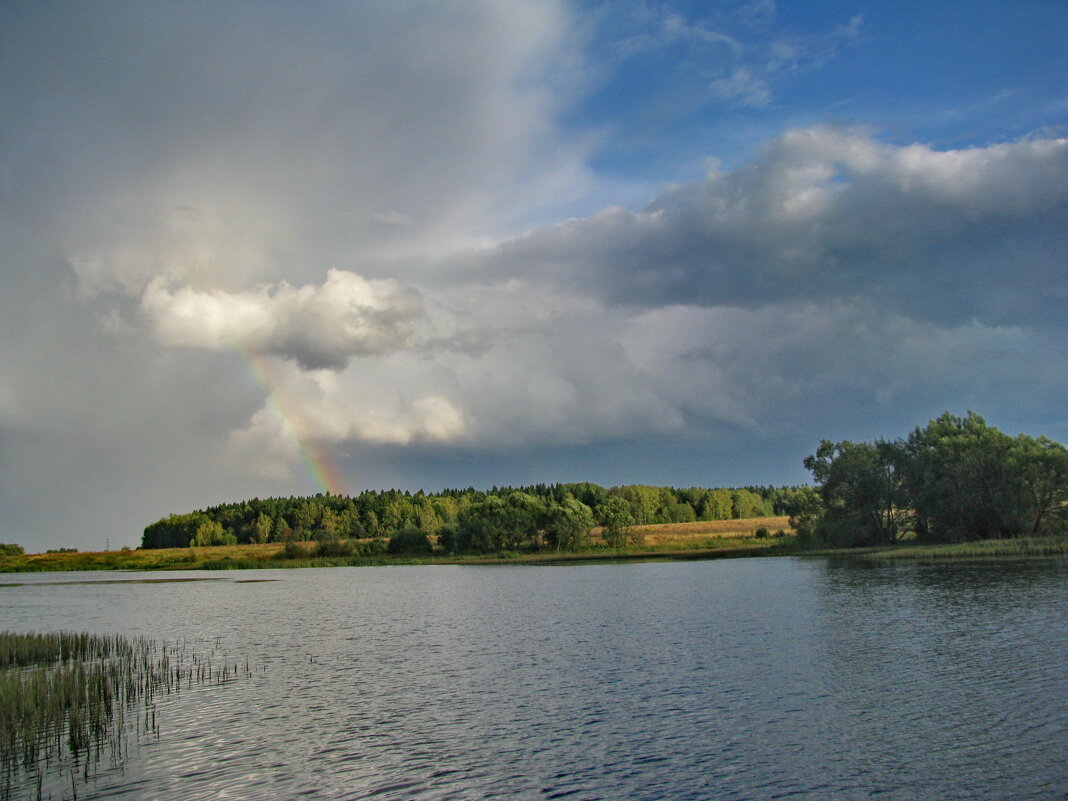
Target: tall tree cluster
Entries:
(556, 516)
(957, 479)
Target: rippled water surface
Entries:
(743, 679)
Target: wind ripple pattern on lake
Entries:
(744, 679)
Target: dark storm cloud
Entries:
(221, 142)
(338, 188)
(155, 153)
(826, 213)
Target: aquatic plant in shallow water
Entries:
(68, 699)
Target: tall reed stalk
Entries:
(68, 699)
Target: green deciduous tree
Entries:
(746, 503)
(615, 518)
(682, 513)
(211, 532)
(962, 481)
(174, 531)
(568, 525)
(279, 531)
(1042, 468)
(718, 505)
(499, 523)
(263, 528)
(329, 526)
(861, 493)
(410, 541)
(956, 479)
(805, 508)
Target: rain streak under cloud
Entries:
(460, 250)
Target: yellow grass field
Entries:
(693, 534)
(136, 559)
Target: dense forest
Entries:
(955, 480)
(556, 516)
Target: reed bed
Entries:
(69, 700)
(981, 549)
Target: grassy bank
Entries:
(161, 559)
(982, 549)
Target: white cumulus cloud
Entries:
(317, 326)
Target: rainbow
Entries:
(323, 473)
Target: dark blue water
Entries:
(744, 679)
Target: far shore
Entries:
(719, 539)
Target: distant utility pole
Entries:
(107, 543)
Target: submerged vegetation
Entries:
(69, 701)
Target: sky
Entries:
(272, 249)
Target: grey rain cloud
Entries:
(830, 213)
(209, 149)
(227, 148)
(833, 265)
(340, 193)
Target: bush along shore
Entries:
(69, 701)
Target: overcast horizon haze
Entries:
(261, 249)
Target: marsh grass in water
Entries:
(980, 549)
(68, 700)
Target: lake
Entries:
(733, 679)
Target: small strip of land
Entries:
(707, 539)
(716, 539)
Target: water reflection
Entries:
(950, 668)
(737, 679)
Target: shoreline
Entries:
(244, 557)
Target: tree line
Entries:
(557, 516)
(955, 480)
